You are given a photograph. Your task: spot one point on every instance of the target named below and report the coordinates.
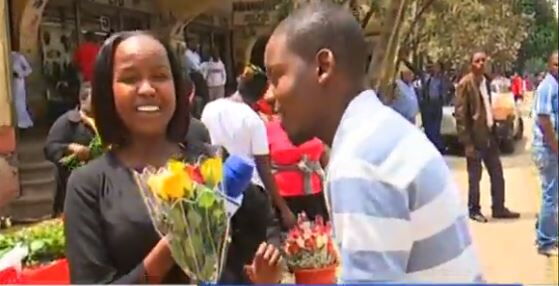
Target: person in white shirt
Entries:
(21, 70)
(215, 75)
(191, 57)
(234, 125)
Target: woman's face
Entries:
(143, 86)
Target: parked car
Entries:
(509, 125)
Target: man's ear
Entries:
(325, 63)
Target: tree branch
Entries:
(368, 16)
(420, 13)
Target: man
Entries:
(433, 93)
(546, 130)
(475, 124)
(192, 63)
(406, 103)
(85, 55)
(395, 208)
(234, 125)
(191, 57)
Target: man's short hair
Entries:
(325, 25)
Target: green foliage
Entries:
(543, 34)
(452, 29)
(95, 150)
(535, 65)
(45, 242)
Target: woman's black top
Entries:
(109, 232)
(68, 128)
(108, 229)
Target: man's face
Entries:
(436, 68)
(85, 103)
(407, 76)
(296, 89)
(478, 62)
(554, 65)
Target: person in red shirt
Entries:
(517, 87)
(85, 55)
(298, 170)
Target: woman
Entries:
(141, 109)
(298, 170)
(70, 134)
(215, 75)
(21, 70)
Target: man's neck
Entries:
(335, 113)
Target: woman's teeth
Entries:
(148, 108)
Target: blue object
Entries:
(237, 175)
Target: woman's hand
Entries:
(158, 262)
(267, 265)
(81, 152)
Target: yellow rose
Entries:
(212, 171)
(173, 183)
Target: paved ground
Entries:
(506, 248)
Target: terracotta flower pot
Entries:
(326, 275)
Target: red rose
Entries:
(194, 173)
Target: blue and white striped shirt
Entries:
(546, 103)
(396, 211)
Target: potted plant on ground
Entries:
(310, 252)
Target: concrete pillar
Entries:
(9, 183)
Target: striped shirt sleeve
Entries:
(544, 104)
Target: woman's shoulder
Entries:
(88, 178)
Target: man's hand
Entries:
(81, 152)
(470, 151)
(267, 265)
(288, 219)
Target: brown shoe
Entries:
(505, 214)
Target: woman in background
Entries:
(20, 70)
(70, 134)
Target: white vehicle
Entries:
(509, 126)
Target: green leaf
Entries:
(206, 199)
(36, 245)
(194, 219)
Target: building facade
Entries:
(47, 32)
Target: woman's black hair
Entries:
(252, 88)
(109, 124)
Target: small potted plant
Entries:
(310, 252)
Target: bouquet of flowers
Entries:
(191, 205)
(95, 148)
(310, 252)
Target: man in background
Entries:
(545, 151)
(406, 102)
(432, 101)
(476, 130)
